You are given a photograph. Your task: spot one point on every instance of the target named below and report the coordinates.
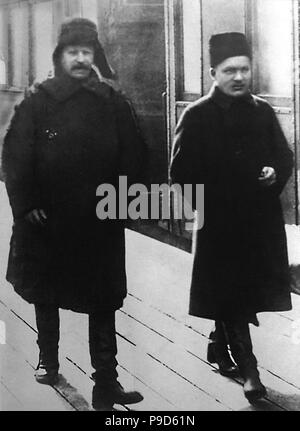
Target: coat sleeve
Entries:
(282, 155)
(133, 153)
(188, 158)
(18, 161)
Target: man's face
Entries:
(77, 60)
(233, 76)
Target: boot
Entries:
(47, 371)
(241, 348)
(217, 352)
(103, 349)
(107, 393)
(47, 322)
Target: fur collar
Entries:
(63, 87)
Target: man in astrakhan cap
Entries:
(231, 141)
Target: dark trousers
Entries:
(236, 333)
(102, 341)
(219, 334)
(240, 342)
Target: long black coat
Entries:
(63, 142)
(240, 263)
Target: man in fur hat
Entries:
(71, 135)
(231, 142)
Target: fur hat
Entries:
(82, 31)
(225, 45)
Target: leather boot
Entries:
(218, 353)
(107, 393)
(47, 321)
(103, 349)
(241, 348)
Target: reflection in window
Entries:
(192, 46)
(274, 50)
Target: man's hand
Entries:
(267, 176)
(37, 217)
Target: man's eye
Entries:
(229, 71)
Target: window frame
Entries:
(181, 94)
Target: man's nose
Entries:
(238, 76)
(80, 57)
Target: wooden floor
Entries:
(161, 350)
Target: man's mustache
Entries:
(81, 67)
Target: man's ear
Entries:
(212, 72)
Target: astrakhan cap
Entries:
(225, 45)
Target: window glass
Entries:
(192, 46)
(2, 50)
(274, 47)
(43, 41)
(18, 48)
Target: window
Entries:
(28, 36)
(3, 71)
(191, 46)
(273, 47)
(43, 41)
(19, 44)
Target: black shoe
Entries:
(120, 396)
(46, 372)
(254, 390)
(219, 354)
(105, 396)
(46, 376)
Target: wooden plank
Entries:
(78, 350)
(196, 343)
(194, 340)
(21, 337)
(189, 367)
(17, 375)
(199, 348)
(74, 383)
(280, 392)
(274, 327)
(152, 373)
(171, 386)
(8, 401)
(280, 356)
(75, 342)
(158, 273)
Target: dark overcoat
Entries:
(63, 142)
(240, 263)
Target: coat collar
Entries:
(63, 87)
(225, 102)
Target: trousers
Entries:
(102, 341)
